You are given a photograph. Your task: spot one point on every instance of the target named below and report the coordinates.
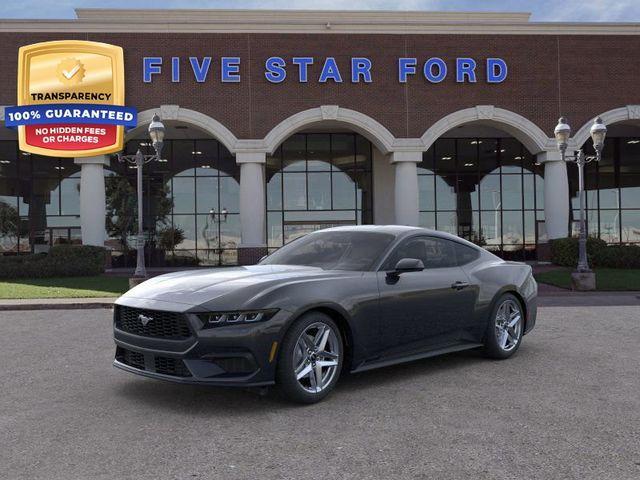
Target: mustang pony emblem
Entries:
(144, 319)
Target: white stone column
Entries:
(406, 187)
(384, 188)
(252, 206)
(93, 209)
(556, 194)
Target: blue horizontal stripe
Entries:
(70, 113)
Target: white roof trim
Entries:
(299, 16)
(311, 21)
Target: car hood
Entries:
(196, 287)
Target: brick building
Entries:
(283, 122)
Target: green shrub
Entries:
(564, 252)
(618, 256)
(61, 261)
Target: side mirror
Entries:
(408, 265)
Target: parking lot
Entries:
(566, 406)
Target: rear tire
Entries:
(506, 326)
(310, 358)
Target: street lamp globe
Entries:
(156, 133)
(598, 132)
(562, 133)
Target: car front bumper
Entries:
(236, 355)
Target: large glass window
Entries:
(39, 201)
(487, 190)
(612, 191)
(315, 181)
(191, 210)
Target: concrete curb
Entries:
(56, 304)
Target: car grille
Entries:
(236, 365)
(162, 324)
(171, 366)
(164, 365)
(133, 359)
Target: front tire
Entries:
(310, 358)
(505, 329)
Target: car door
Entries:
(424, 309)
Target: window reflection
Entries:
(445, 195)
(490, 193)
(39, 201)
(612, 191)
(198, 180)
(183, 198)
(487, 190)
(319, 191)
(630, 190)
(630, 224)
(318, 152)
(317, 180)
(295, 191)
(426, 189)
(207, 194)
(512, 192)
(343, 192)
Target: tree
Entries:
(122, 208)
(9, 221)
(169, 237)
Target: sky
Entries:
(542, 10)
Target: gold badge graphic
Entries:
(75, 91)
(70, 71)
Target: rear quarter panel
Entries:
(495, 277)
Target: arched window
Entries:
(317, 180)
(39, 200)
(612, 189)
(191, 202)
(487, 190)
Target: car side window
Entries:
(465, 254)
(434, 252)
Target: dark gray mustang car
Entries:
(342, 299)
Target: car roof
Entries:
(398, 231)
(392, 229)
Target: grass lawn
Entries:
(69, 287)
(607, 279)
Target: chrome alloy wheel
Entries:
(508, 323)
(316, 357)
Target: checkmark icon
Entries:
(71, 73)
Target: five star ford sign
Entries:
(70, 99)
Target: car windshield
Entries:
(336, 250)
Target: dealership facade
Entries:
(283, 122)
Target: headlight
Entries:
(219, 319)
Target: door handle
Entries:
(459, 285)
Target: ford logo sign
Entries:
(144, 319)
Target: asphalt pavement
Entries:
(567, 406)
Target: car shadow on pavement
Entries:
(205, 400)
(195, 399)
(410, 371)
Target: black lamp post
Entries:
(156, 133)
